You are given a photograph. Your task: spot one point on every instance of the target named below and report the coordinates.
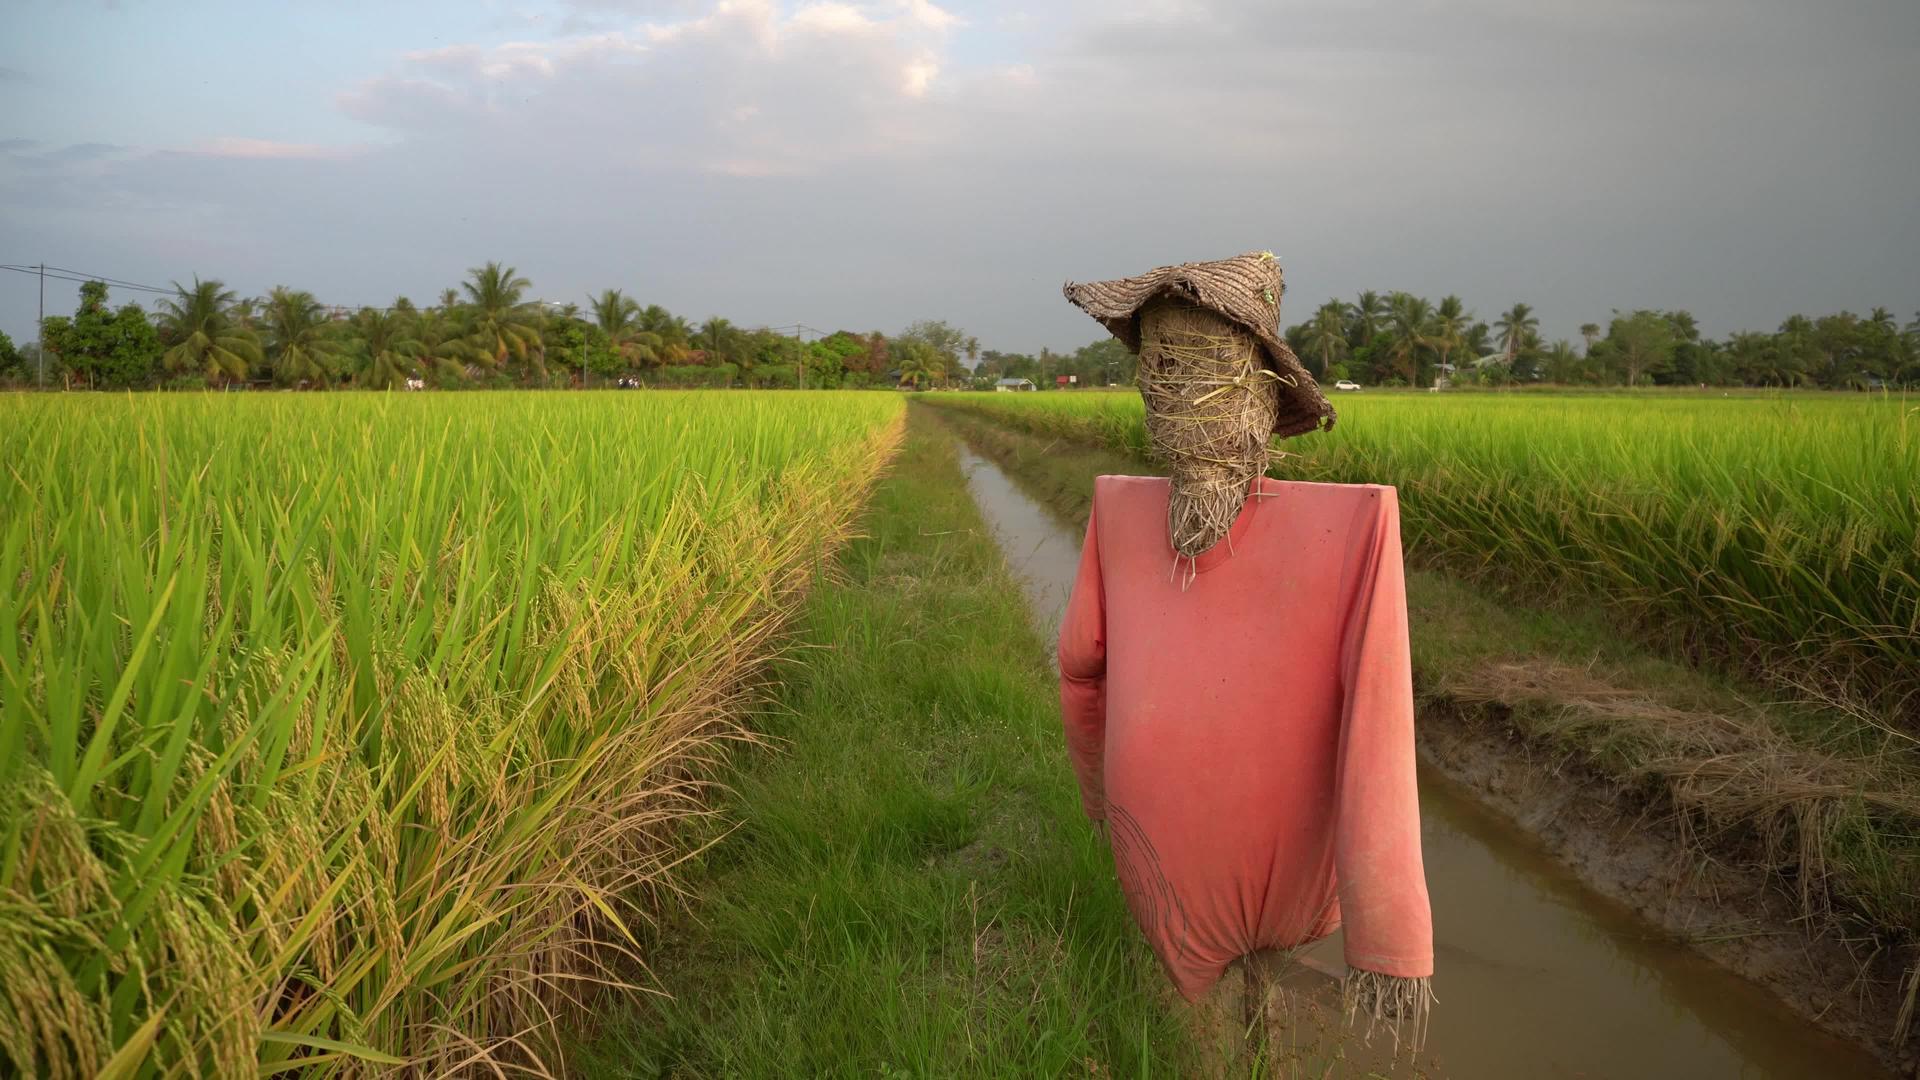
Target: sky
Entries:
(862, 165)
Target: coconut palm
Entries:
(206, 339)
(719, 339)
(1478, 339)
(393, 353)
(1366, 315)
(446, 348)
(919, 362)
(503, 326)
(615, 314)
(1326, 336)
(1450, 321)
(1410, 326)
(671, 332)
(1514, 326)
(973, 352)
(449, 300)
(296, 337)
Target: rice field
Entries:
(343, 733)
(1780, 534)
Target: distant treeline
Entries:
(1401, 339)
(483, 334)
(486, 333)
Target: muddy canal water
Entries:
(1536, 975)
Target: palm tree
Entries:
(1366, 313)
(919, 360)
(393, 353)
(973, 352)
(296, 336)
(1450, 321)
(503, 326)
(1514, 326)
(1326, 339)
(1478, 339)
(1589, 331)
(206, 339)
(445, 346)
(449, 300)
(620, 318)
(1410, 321)
(1685, 326)
(717, 338)
(616, 315)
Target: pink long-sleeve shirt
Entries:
(1247, 735)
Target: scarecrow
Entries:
(1235, 680)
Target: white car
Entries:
(1346, 384)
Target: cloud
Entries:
(233, 146)
(741, 90)
(863, 164)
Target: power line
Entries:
(109, 280)
(35, 271)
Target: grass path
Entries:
(910, 889)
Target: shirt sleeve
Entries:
(1382, 882)
(1083, 683)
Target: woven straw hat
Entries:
(1245, 290)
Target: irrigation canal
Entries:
(1536, 975)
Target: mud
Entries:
(1558, 917)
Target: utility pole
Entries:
(799, 359)
(40, 330)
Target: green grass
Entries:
(911, 889)
(1777, 534)
(351, 730)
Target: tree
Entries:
(1450, 321)
(445, 346)
(1837, 341)
(1589, 331)
(919, 361)
(947, 341)
(1366, 315)
(106, 348)
(1560, 363)
(1641, 342)
(1410, 334)
(10, 359)
(973, 351)
(296, 337)
(618, 318)
(199, 324)
(503, 326)
(393, 354)
(1514, 326)
(720, 340)
(1325, 339)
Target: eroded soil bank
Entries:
(1577, 933)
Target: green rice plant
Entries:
(1776, 533)
(349, 733)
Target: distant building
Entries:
(1014, 385)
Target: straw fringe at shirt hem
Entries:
(1404, 1005)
